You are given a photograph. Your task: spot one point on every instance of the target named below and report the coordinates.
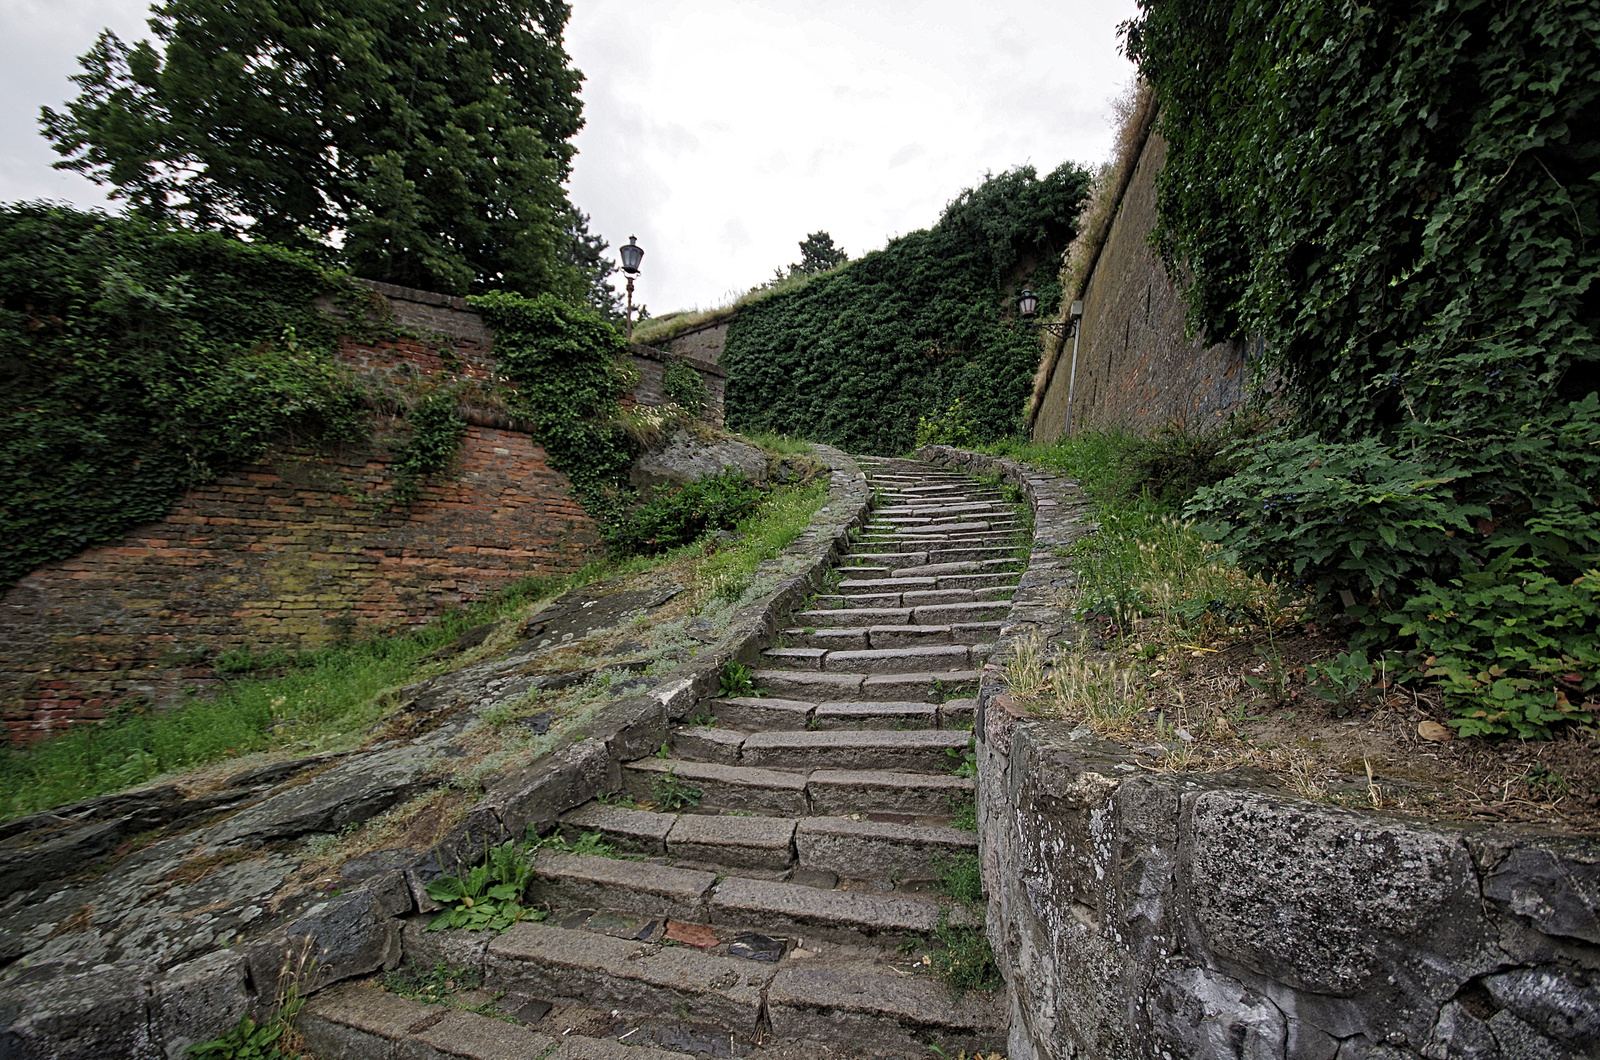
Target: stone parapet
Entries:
(1145, 914)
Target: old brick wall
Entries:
(294, 551)
(1135, 369)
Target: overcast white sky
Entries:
(721, 132)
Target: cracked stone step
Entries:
(752, 713)
(935, 614)
(875, 716)
(882, 850)
(770, 906)
(866, 572)
(818, 686)
(906, 751)
(874, 601)
(886, 585)
(898, 660)
(631, 977)
(592, 882)
(840, 792)
(704, 743)
(778, 792)
(733, 842)
(882, 1012)
(631, 830)
(843, 617)
(1008, 579)
(837, 638)
(360, 1021)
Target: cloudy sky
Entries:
(721, 132)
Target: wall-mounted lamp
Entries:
(1028, 304)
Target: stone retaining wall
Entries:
(1139, 914)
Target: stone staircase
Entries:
(774, 870)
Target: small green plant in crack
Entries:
(436, 986)
(964, 763)
(249, 1040)
(960, 878)
(738, 680)
(670, 792)
(592, 844)
(702, 719)
(964, 813)
(962, 956)
(487, 896)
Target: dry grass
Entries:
(670, 326)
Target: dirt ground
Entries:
(1389, 749)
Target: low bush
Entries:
(676, 516)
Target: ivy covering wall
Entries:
(859, 355)
(137, 360)
(1404, 201)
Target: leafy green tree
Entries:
(432, 135)
(818, 254)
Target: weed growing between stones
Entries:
(486, 897)
(433, 986)
(670, 792)
(961, 954)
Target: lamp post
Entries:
(631, 254)
(1027, 305)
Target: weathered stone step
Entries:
(638, 887)
(879, 850)
(818, 686)
(781, 793)
(757, 715)
(841, 792)
(861, 638)
(631, 977)
(360, 1021)
(871, 660)
(902, 583)
(774, 907)
(912, 598)
(906, 751)
(705, 743)
(882, 1012)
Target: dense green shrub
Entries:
(678, 515)
(1402, 200)
(684, 387)
(139, 360)
(860, 354)
(436, 433)
(567, 367)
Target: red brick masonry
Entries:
(294, 551)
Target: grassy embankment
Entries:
(328, 698)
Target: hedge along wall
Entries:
(1137, 368)
(857, 356)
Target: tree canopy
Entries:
(818, 254)
(430, 138)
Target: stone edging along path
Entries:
(1137, 913)
(67, 1007)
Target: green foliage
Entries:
(678, 515)
(249, 1040)
(434, 137)
(568, 368)
(435, 986)
(953, 426)
(1401, 202)
(1341, 679)
(858, 355)
(818, 254)
(142, 360)
(1176, 460)
(737, 680)
(960, 877)
(436, 433)
(684, 387)
(670, 792)
(963, 763)
(487, 896)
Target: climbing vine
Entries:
(1404, 201)
(859, 355)
(139, 360)
(436, 433)
(684, 387)
(567, 368)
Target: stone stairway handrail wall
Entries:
(1142, 913)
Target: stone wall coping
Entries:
(413, 294)
(651, 353)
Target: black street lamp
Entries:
(631, 254)
(1028, 304)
